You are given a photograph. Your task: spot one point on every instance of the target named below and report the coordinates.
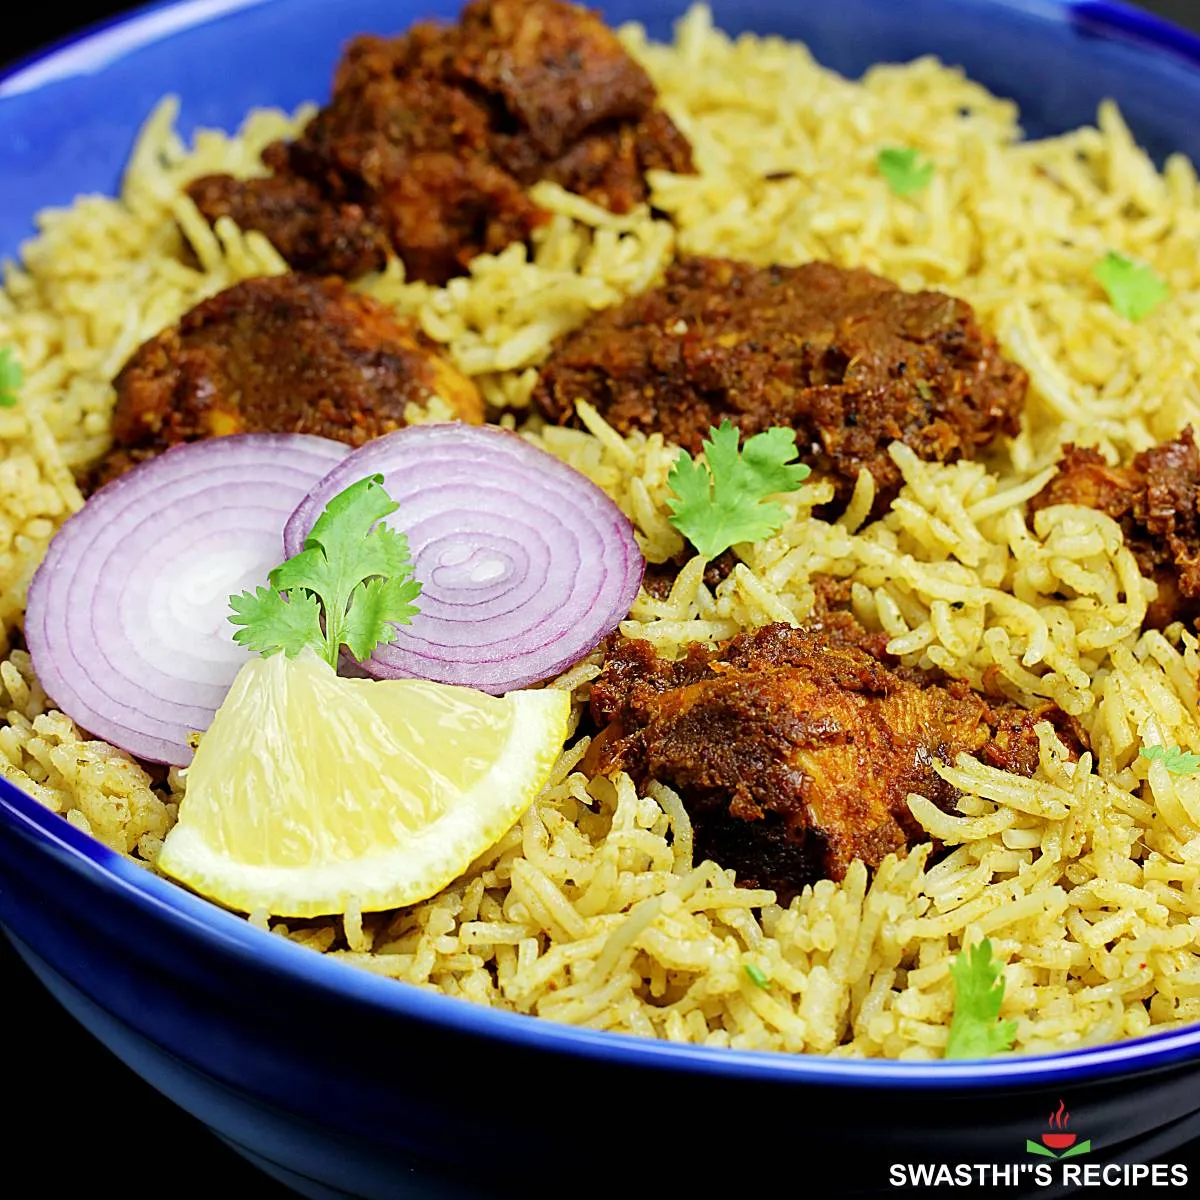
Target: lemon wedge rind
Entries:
(220, 854)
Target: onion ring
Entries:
(127, 616)
(524, 564)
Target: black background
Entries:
(66, 1074)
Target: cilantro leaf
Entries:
(271, 623)
(757, 975)
(723, 500)
(1177, 760)
(1133, 288)
(375, 611)
(11, 378)
(350, 585)
(975, 1029)
(905, 169)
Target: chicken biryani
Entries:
(560, 525)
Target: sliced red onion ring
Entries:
(525, 565)
(127, 618)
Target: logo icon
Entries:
(1056, 1142)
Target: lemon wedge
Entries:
(310, 790)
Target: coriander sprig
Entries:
(350, 585)
(906, 170)
(12, 376)
(976, 1030)
(1132, 287)
(723, 499)
(1176, 759)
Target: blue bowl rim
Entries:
(228, 933)
(225, 932)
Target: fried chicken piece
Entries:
(794, 750)
(608, 166)
(1156, 501)
(289, 354)
(556, 69)
(430, 140)
(311, 233)
(844, 357)
(414, 150)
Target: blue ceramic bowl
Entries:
(342, 1083)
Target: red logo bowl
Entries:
(1058, 1141)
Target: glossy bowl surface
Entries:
(344, 1083)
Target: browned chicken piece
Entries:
(310, 232)
(844, 357)
(794, 750)
(288, 354)
(430, 140)
(556, 69)
(1156, 501)
(415, 149)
